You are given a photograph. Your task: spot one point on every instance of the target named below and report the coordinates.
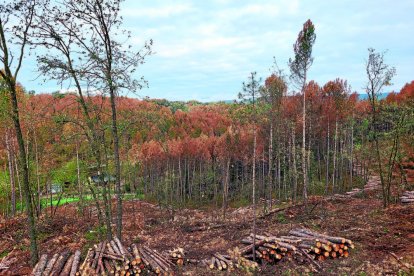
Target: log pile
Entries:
(112, 258)
(407, 197)
(148, 260)
(301, 244)
(106, 258)
(177, 256)
(374, 183)
(220, 262)
(354, 192)
(59, 264)
(230, 262)
(320, 246)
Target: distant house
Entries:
(55, 188)
(97, 179)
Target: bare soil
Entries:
(376, 232)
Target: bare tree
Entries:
(16, 21)
(299, 67)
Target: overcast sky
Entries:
(206, 49)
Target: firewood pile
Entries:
(177, 256)
(107, 258)
(301, 244)
(354, 192)
(374, 183)
(59, 264)
(220, 262)
(112, 258)
(407, 197)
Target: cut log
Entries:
(75, 264)
(68, 266)
(50, 265)
(60, 263)
(40, 266)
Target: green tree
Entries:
(16, 21)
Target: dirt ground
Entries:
(376, 232)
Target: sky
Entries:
(204, 50)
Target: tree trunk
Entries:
(254, 188)
(11, 173)
(304, 169)
(25, 173)
(327, 162)
(117, 163)
(295, 171)
(334, 156)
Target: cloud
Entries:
(160, 11)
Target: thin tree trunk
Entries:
(304, 167)
(37, 174)
(11, 173)
(328, 153)
(295, 171)
(79, 181)
(334, 156)
(25, 174)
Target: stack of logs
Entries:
(112, 258)
(148, 260)
(299, 243)
(220, 262)
(177, 256)
(407, 197)
(59, 264)
(107, 258)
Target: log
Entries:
(60, 263)
(87, 262)
(68, 266)
(159, 261)
(40, 266)
(115, 248)
(109, 267)
(338, 240)
(75, 264)
(149, 261)
(407, 200)
(135, 251)
(98, 255)
(50, 265)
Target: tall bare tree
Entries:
(16, 21)
(299, 67)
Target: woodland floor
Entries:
(376, 232)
